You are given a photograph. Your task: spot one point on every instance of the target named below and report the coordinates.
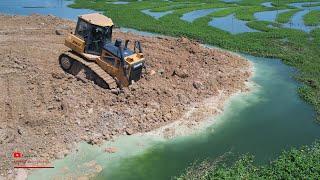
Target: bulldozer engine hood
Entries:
(110, 47)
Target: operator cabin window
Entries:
(108, 34)
(82, 29)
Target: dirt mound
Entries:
(44, 110)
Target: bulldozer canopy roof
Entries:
(97, 19)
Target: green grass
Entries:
(316, 37)
(299, 52)
(312, 18)
(300, 163)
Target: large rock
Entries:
(59, 32)
(129, 131)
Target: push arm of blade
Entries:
(121, 57)
(126, 44)
(122, 63)
(137, 45)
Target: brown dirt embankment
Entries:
(44, 110)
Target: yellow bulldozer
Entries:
(109, 64)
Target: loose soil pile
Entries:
(45, 110)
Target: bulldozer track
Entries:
(95, 68)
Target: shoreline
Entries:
(198, 117)
(176, 129)
(202, 115)
(188, 125)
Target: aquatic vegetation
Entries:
(297, 20)
(312, 18)
(316, 37)
(311, 5)
(298, 52)
(231, 24)
(286, 16)
(300, 163)
(269, 15)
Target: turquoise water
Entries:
(156, 15)
(267, 120)
(267, 4)
(193, 15)
(297, 21)
(269, 15)
(231, 24)
(230, 1)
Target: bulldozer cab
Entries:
(95, 30)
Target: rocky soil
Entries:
(44, 111)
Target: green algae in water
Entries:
(89, 159)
